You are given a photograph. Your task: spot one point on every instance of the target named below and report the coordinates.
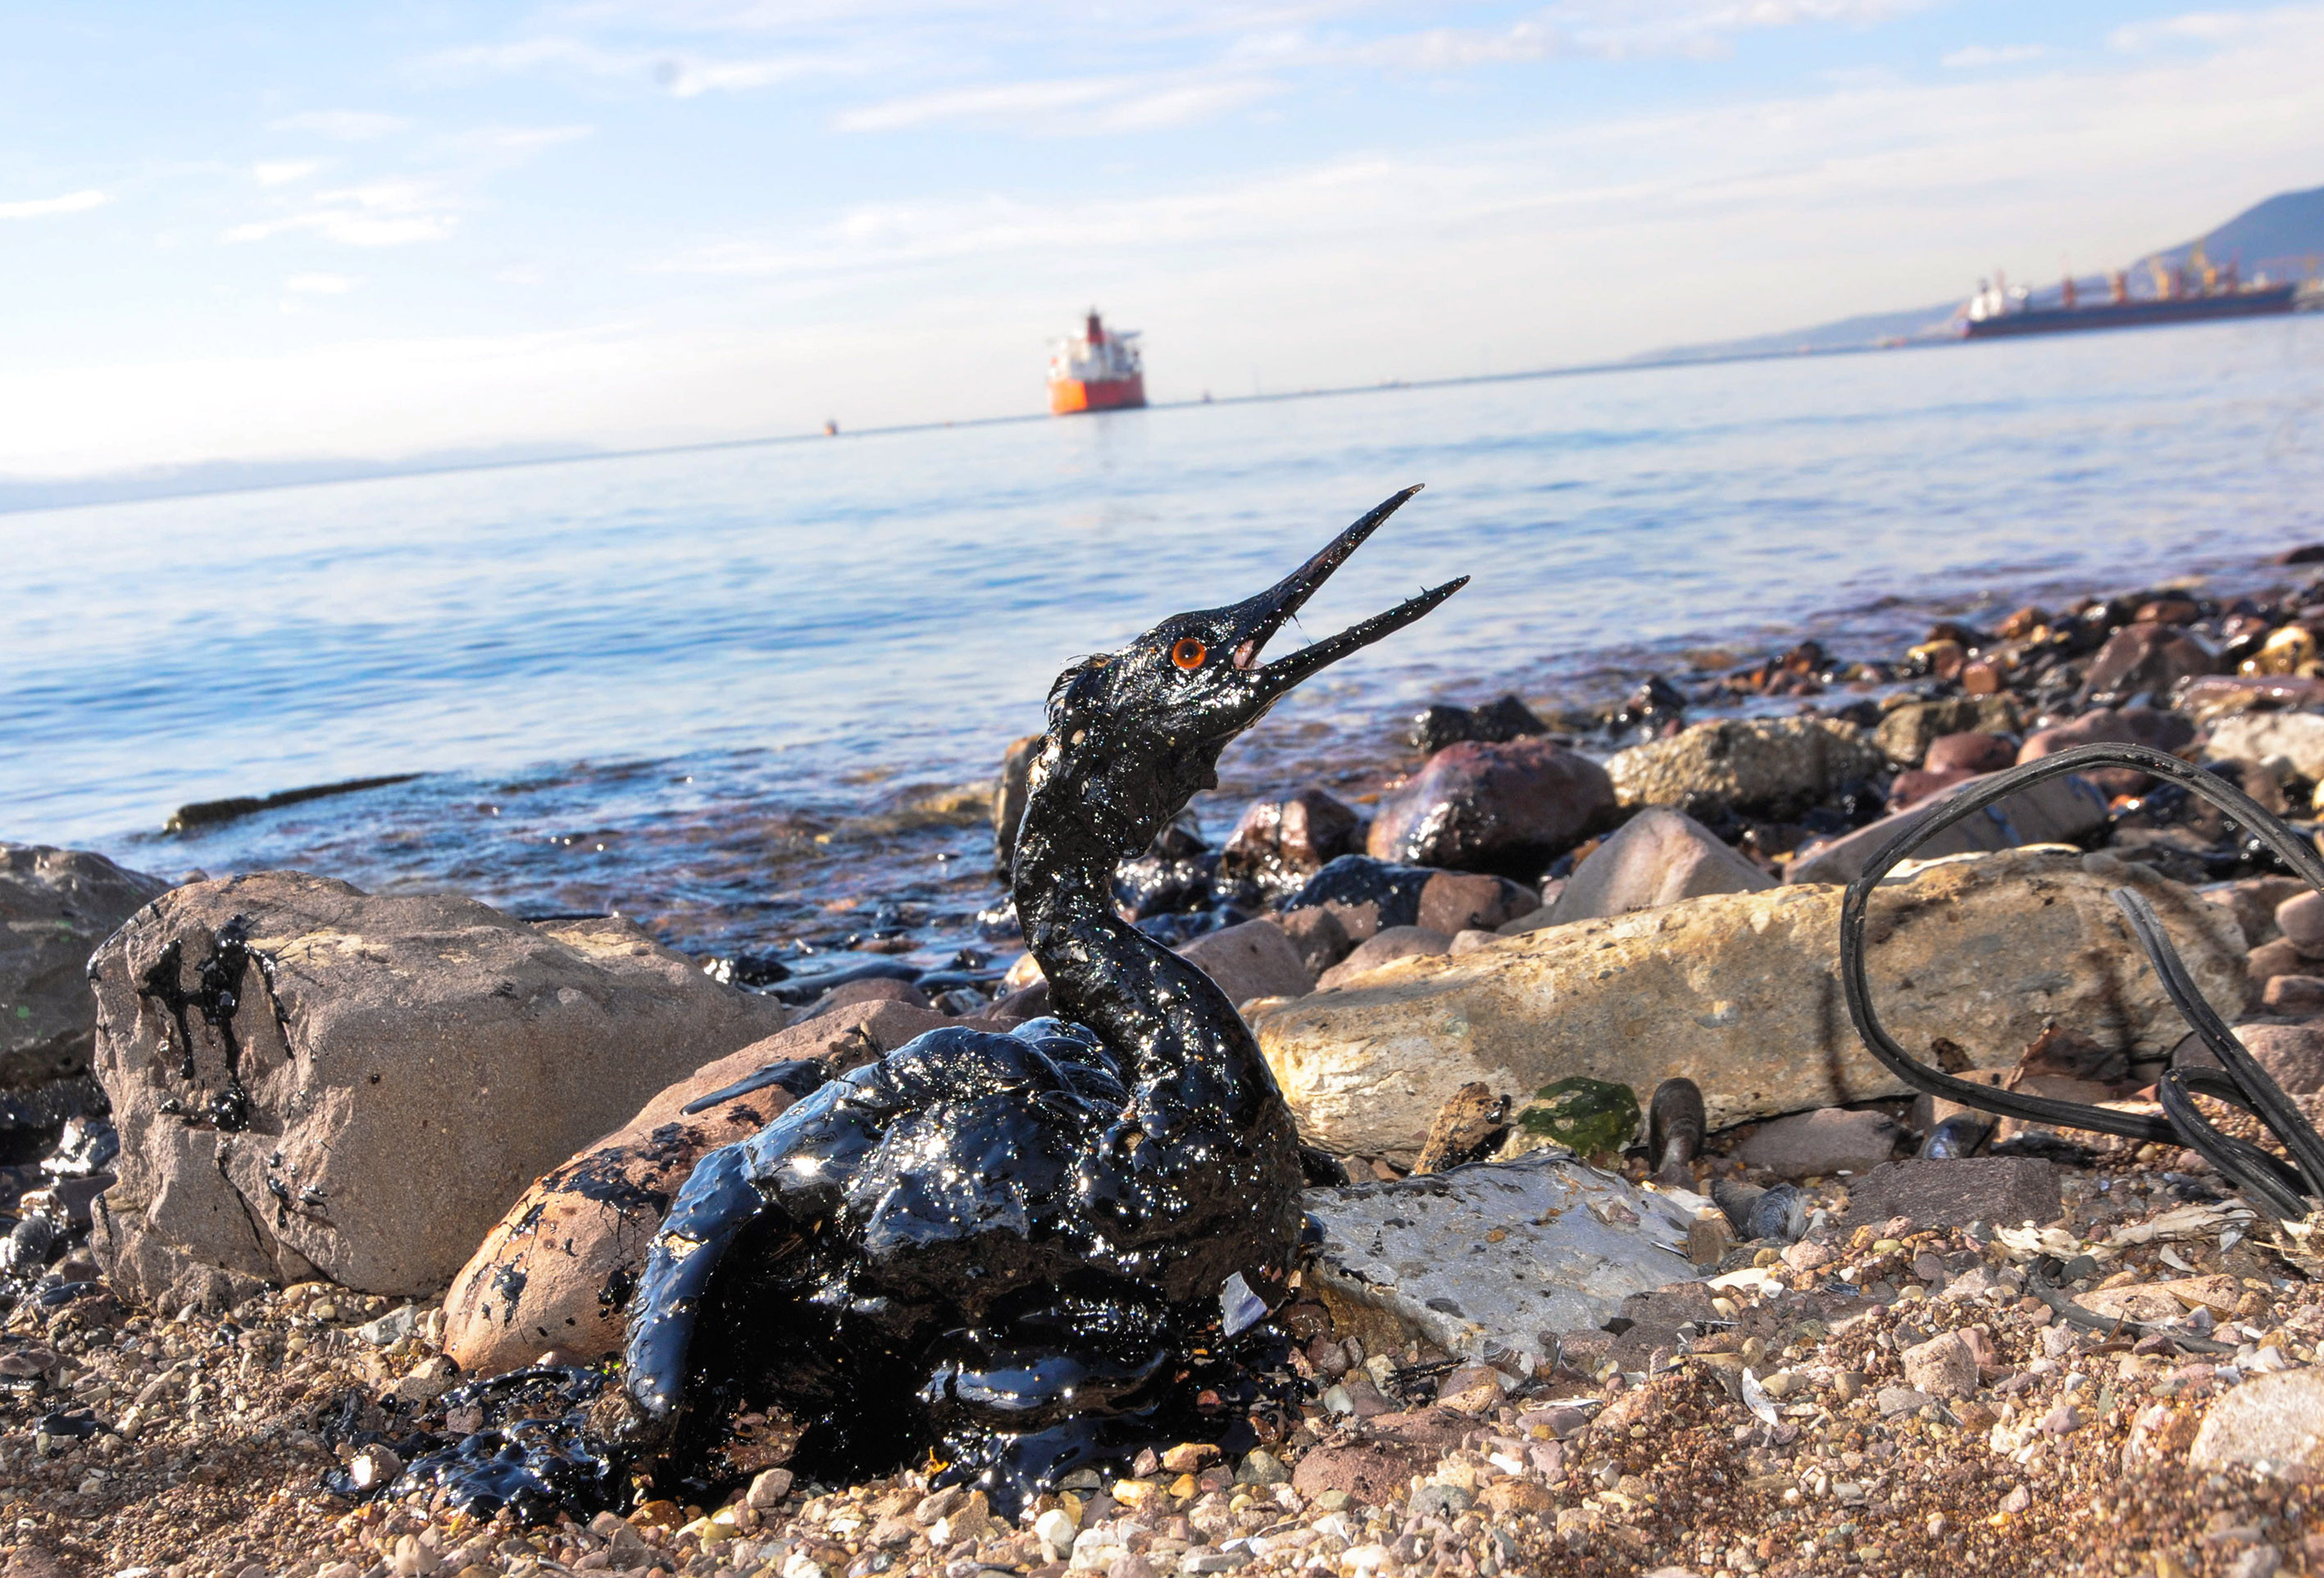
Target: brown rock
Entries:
(1290, 836)
(1658, 857)
(559, 1265)
(1915, 784)
(1471, 1388)
(394, 1073)
(1467, 1127)
(878, 989)
(1970, 751)
(1905, 733)
(1398, 942)
(1250, 961)
(1943, 1367)
(2300, 919)
(1316, 934)
(2145, 657)
(1456, 902)
(2136, 725)
(2293, 1054)
(2297, 996)
(2253, 901)
(2002, 1191)
(1509, 808)
(1514, 1497)
(56, 905)
(1807, 1144)
(2266, 962)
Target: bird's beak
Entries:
(1253, 621)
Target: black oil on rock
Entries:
(1010, 1250)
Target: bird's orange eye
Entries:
(1189, 652)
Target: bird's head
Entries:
(1138, 732)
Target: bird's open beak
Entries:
(1252, 622)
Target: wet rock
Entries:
(1282, 842)
(1943, 1367)
(1364, 894)
(1769, 766)
(1398, 942)
(1507, 808)
(2146, 658)
(2296, 737)
(2057, 810)
(1905, 733)
(56, 905)
(2224, 695)
(1316, 936)
(1457, 901)
(1008, 799)
(559, 1266)
(1738, 992)
(1508, 718)
(1815, 1144)
(1251, 960)
(2272, 1423)
(1658, 857)
(1491, 1262)
(2300, 919)
(312, 1081)
(2001, 1191)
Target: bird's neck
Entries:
(1161, 1014)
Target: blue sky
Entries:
(253, 231)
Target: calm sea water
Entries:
(695, 687)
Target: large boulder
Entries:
(1773, 767)
(558, 1269)
(1509, 808)
(56, 905)
(2057, 810)
(1740, 993)
(1905, 733)
(311, 1081)
(1660, 856)
(2298, 737)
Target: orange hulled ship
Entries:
(1097, 371)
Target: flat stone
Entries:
(1739, 993)
(2057, 810)
(1657, 857)
(1383, 948)
(1810, 1144)
(2145, 1303)
(2003, 1191)
(2274, 1422)
(1902, 1399)
(1573, 1242)
(1250, 961)
(56, 905)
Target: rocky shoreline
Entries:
(309, 1162)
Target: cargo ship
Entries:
(2193, 294)
(1097, 370)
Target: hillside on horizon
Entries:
(2281, 235)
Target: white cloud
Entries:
(2193, 27)
(78, 202)
(1072, 107)
(320, 284)
(345, 126)
(283, 171)
(382, 213)
(1977, 55)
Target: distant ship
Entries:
(2180, 295)
(1097, 371)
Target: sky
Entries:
(251, 231)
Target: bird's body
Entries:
(1003, 1248)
